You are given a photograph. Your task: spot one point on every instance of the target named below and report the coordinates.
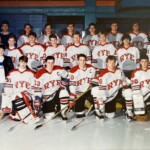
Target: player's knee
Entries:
(127, 94)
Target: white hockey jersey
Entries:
(128, 58)
(80, 79)
(19, 80)
(110, 83)
(47, 83)
(115, 39)
(21, 40)
(34, 53)
(66, 40)
(100, 53)
(91, 41)
(14, 54)
(57, 52)
(148, 53)
(141, 82)
(71, 54)
(138, 40)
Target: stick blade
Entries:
(38, 126)
(73, 128)
(11, 128)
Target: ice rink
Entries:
(112, 134)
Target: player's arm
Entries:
(8, 88)
(66, 59)
(88, 54)
(138, 59)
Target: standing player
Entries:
(101, 52)
(111, 80)
(47, 88)
(12, 51)
(138, 38)
(80, 79)
(74, 49)
(92, 39)
(56, 50)
(67, 38)
(48, 30)
(128, 56)
(114, 36)
(34, 52)
(24, 38)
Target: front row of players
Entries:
(52, 88)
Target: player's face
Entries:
(53, 41)
(49, 64)
(126, 42)
(27, 29)
(5, 27)
(102, 37)
(1, 52)
(82, 62)
(70, 28)
(111, 64)
(32, 39)
(135, 27)
(92, 29)
(76, 39)
(144, 63)
(48, 30)
(11, 42)
(114, 26)
(22, 64)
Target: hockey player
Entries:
(92, 38)
(128, 56)
(141, 86)
(18, 91)
(34, 52)
(74, 49)
(24, 38)
(138, 38)
(12, 51)
(67, 38)
(101, 52)
(111, 80)
(47, 89)
(48, 30)
(80, 78)
(56, 50)
(114, 36)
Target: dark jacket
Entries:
(8, 64)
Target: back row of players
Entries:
(77, 57)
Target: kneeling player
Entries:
(141, 87)
(110, 81)
(17, 99)
(47, 89)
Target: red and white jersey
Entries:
(14, 53)
(100, 53)
(80, 79)
(34, 53)
(115, 39)
(91, 41)
(128, 58)
(66, 40)
(19, 80)
(57, 52)
(47, 83)
(72, 52)
(140, 80)
(44, 39)
(22, 39)
(110, 83)
(138, 40)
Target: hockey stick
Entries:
(42, 124)
(75, 126)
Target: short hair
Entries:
(48, 24)
(92, 24)
(76, 33)
(143, 56)
(32, 34)
(23, 58)
(111, 57)
(12, 37)
(53, 36)
(101, 32)
(114, 22)
(70, 23)
(135, 22)
(28, 24)
(49, 58)
(5, 22)
(2, 47)
(81, 55)
(126, 36)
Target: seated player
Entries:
(18, 91)
(47, 88)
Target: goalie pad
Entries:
(139, 106)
